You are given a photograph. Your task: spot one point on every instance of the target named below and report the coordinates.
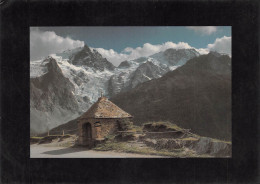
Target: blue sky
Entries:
(118, 38)
(125, 43)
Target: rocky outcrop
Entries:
(213, 147)
(124, 64)
(202, 146)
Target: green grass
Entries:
(217, 140)
(189, 139)
(176, 127)
(113, 145)
(69, 135)
(166, 123)
(58, 135)
(110, 136)
(136, 128)
(36, 137)
(124, 147)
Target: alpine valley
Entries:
(178, 85)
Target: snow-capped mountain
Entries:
(67, 54)
(81, 74)
(134, 73)
(175, 57)
(146, 68)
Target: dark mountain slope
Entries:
(52, 89)
(195, 96)
(51, 98)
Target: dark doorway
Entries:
(87, 132)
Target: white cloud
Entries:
(112, 56)
(133, 53)
(203, 51)
(149, 49)
(45, 43)
(221, 45)
(205, 30)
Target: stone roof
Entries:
(104, 108)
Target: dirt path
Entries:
(43, 151)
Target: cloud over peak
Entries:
(44, 43)
(146, 50)
(221, 45)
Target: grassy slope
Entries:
(112, 145)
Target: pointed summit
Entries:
(86, 48)
(92, 59)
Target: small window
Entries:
(97, 124)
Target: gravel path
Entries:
(44, 151)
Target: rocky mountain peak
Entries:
(140, 59)
(175, 57)
(86, 48)
(179, 56)
(92, 59)
(52, 65)
(97, 53)
(216, 54)
(124, 64)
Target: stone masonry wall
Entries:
(100, 128)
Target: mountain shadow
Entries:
(196, 96)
